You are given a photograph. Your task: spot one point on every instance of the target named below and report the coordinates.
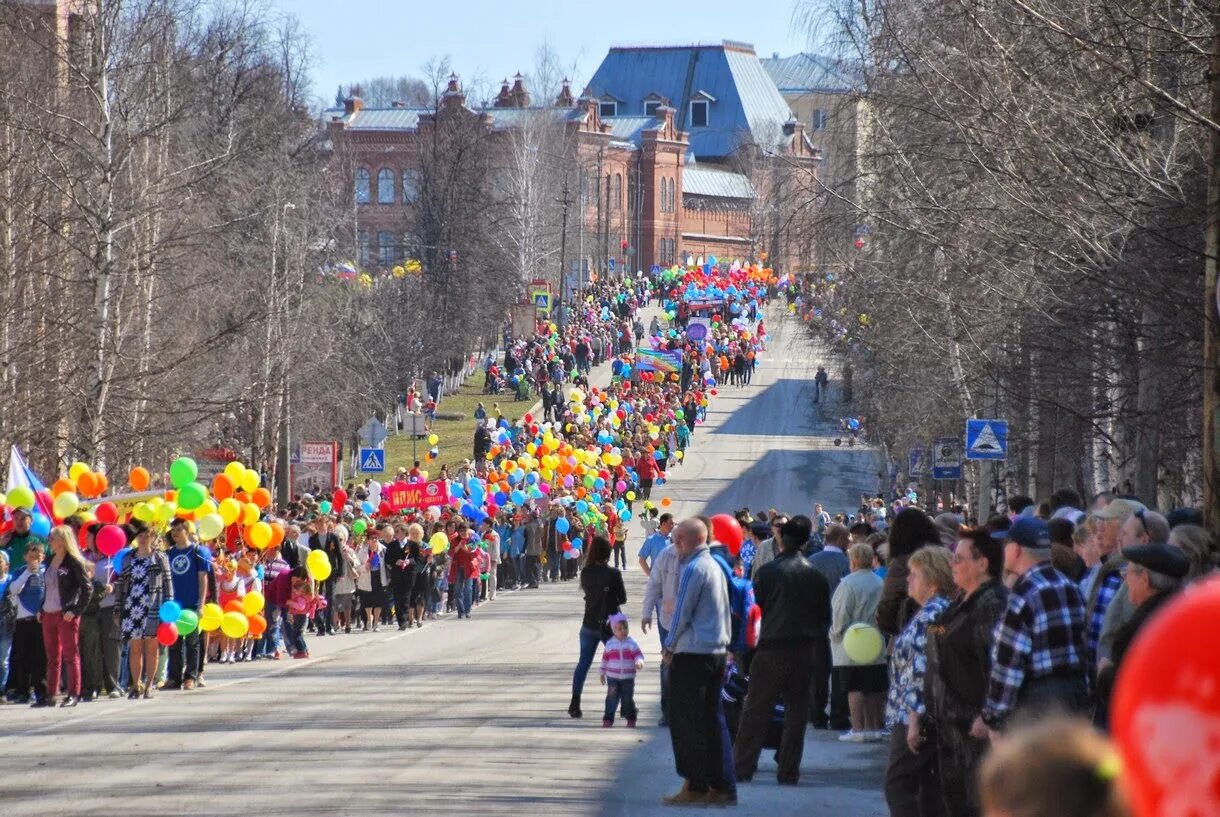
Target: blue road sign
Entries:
(986, 439)
(372, 460)
(947, 458)
(610, 265)
(656, 268)
(918, 461)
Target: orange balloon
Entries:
(235, 606)
(170, 495)
(222, 486)
(277, 534)
(242, 497)
(87, 485)
(102, 483)
(139, 479)
(503, 486)
(666, 502)
(258, 625)
(580, 492)
(261, 498)
(63, 485)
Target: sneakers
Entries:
(301, 654)
(854, 737)
(69, 701)
(188, 684)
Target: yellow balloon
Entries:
(433, 439)
(253, 602)
(250, 513)
(439, 542)
(143, 511)
(631, 496)
(229, 510)
(211, 526)
(250, 481)
(211, 617)
(76, 470)
(235, 471)
(234, 625)
(259, 535)
(66, 504)
(862, 643)
(319, 569)
(208, 507)
(165, 512)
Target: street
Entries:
(461, 717)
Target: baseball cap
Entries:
(1028, 532)
(25, 511)
(1120, 509)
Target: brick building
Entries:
(674, 152)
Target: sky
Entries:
(488, 41)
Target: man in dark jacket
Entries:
(795, 602)
(401, 572)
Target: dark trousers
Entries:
(620, 554)
(957, 759)
(827, 688)
(324, 620)
(782, 672)
(620, 690)
(99, 652)
(28, 659)
(696, 721)
(552, 564)
(912, 786)
(533, 569)
(400, 591)
(184, 660)
(661, 631)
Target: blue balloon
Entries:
(599, 484)
(501, 498)
(562, 525)
(626, 516)
(582, 507)
(367, 507)
(576, 543)
(170, 611)
(518, 497)
(455, 489)
(40, 526)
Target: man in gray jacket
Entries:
(831, 561)
(695, 652)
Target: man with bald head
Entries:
(695, 651)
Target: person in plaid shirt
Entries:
(1039, 660)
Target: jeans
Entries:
(61, 640)
(620, 689)
(6, 642)
(533, 570)
(589, 639)
(296, 633)
(697, 726)
(324, 620)
(184, 659)
(270, 642)
(552, 564)
(664, 633)
(463, 594)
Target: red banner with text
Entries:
(418, 495)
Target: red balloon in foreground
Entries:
(727, 531)
(1166, 708)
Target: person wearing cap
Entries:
(1112, 520)
(1140, 528)
(1039, 660)
(1155, 572)
(16, 540)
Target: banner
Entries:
(659, 360)
(316, 468)
(416, 496)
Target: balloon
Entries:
(235, 471)
(249, 513)
(259, 535)
(250, 481)
(223, 486)
(191, 496)
(439, 542)
(359, 527)
(727, 531)
(182, 471)
(339, 498)
(167, 633)
(21, 497)
(111, 539)
(277, 534)
(324, 506)
(562, 525)
(234, 625)
(63, 485)
(233, 606)
(229, 510)
(258, 625)
(76, 470)
(863, 643)
(631, 496)
(367, 506)
(139, 479)
(211, 618)
(261, 497)
(666, 502)
(210, 526)
(433, 439)
(253, 603)
(188, 622)
(87, 485)
(170, 611)
(1165, 715)
(165, 512)
(106, 513)
(318, 566)
(66, 504)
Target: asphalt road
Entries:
(461, 717)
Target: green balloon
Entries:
(188, 622)
(359, 526)
(183, 472)
(325, 506)
(191, 496)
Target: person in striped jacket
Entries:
(622, 658)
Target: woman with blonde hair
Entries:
(67, 592)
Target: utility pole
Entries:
(565, 202)
(1211, 321)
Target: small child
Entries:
(622, 658)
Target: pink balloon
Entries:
(111, 539)
(620, 486)
(545, 487)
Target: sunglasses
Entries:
(1143, 520)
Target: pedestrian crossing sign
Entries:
(372, 460)
(986, 439)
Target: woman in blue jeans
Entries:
(604, 595)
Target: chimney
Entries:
(352, 105)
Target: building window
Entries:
(410, 186)
(385, 186)
(631, 193)
(650, 107)
(362, 185)
(386, 247)
(818, 121)
(618, 191)
(607, 108)
(362, 244)
(698, 113)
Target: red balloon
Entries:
(727, 531)
(1166, 710)
(106, 513)
(529, 418)
(384, 508)
(111, 539)
(339, 499)
(167, 634)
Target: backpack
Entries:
(745, 616)
(8, 611)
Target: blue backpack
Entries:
(745, 616)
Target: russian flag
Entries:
(20, 475)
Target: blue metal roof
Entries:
(703, 181)
(629, 128)
(814, 73)
(747, 103)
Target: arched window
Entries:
(410, 186)
(385, 186)
(362, 244)
(386, 247)
(664, 195)
(618, 191)
(362, 185)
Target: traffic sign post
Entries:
(947, 458)
(372, 460)
(918, 459)
(986, 439)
